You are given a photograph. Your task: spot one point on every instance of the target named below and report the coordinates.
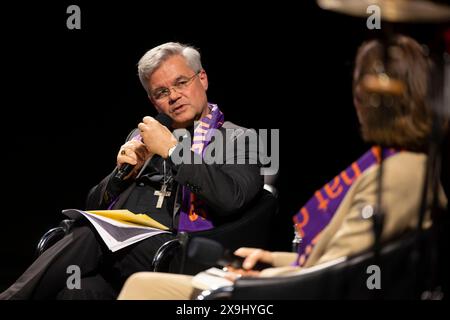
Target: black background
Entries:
(70, 97)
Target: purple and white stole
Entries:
(193, 213)
(320, 209)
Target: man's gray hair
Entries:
(153, 58)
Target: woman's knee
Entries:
(156, 286)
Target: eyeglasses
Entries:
(181, 84)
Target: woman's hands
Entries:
(252, 256)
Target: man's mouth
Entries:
(178, 108)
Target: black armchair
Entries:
(405, 266)
(253, 229)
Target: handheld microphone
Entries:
(210, 252)
(126, 168)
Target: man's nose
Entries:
(174, 95)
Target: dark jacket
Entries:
(226, 187)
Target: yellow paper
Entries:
(128, 216)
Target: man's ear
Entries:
(203, 79)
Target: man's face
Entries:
(176, 90)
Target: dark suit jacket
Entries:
(226, 187)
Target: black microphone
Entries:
(209, 252)
(126, 168)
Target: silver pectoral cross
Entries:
(161, 194)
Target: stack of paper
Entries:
(119, 228)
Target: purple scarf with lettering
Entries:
(320, 209)
(193, 215)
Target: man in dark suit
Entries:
(191, 180)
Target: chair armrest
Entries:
(53, 235)
(49, 238)
(164, 252)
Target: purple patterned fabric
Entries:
(193, 214)
(320, 209)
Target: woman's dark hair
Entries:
(390, 120)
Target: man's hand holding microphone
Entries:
(156, 138)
